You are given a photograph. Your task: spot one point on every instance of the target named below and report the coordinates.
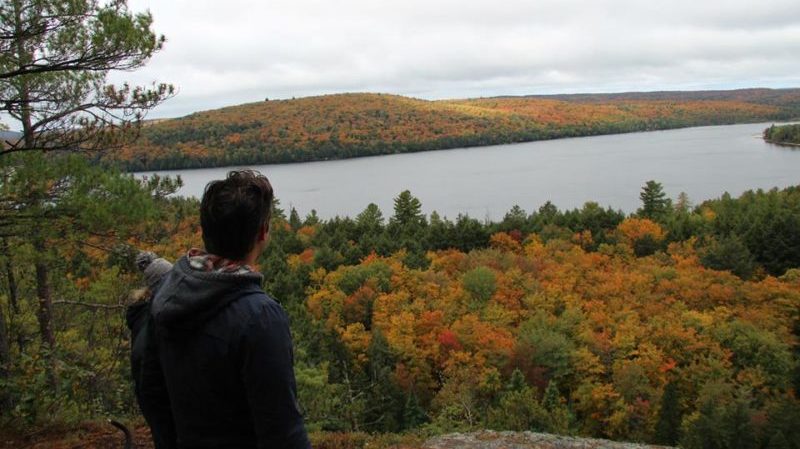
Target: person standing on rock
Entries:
(224, 373)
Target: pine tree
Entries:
(439, 233)
(517, 381)
(551, 398)
(558, 416)
(778, 441)
(655, 204)
(729, 253)
(385, 404)
(683, 204)
(294, 219)
(517, 408)
(669, 417)
(55, 56)
(370, 220)
(739, 425)
(407, 228)
(514, 219)
(407, 210)
(413, 413)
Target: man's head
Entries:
(235, 213)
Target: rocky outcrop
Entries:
(523, 440)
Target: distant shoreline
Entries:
(210, 167)
(783, 144)
(343, 126)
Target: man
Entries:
(223, 377)
(144, 352)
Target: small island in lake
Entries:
(783, 134)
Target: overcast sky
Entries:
(221, 53)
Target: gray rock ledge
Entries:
(488, 439)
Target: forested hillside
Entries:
(352, 125)
(678, 324)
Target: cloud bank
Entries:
(224, 53)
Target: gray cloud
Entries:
(222, 53)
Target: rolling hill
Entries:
(362, 124)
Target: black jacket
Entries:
(144, 362)
(223, 376)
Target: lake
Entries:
(485, 182)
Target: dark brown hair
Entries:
(232, 212)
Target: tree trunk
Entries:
(13, 292)
(45, 316)
(5, 360)
(45, 309)
(5, 351)
(44, 312)
(24, 57)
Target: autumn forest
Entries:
(675, 324)
(352, 125)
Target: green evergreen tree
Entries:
(517, 408)
(739, 425)
(729, 253)
(328, 258)
(294, 219)
(683, 204)
(407, 229)
(655, 204)
(413, 413)
(514, 219)
(782, 419)
(416, 258)
(669, 417)
(277, 211)
(558, 415)
(312, 218)
(55, 56)
(551, 398)
(407, 211)
(547, 214)
(439, 233)
(469, 233)
(370, 220)
(385, 404)
(778, 441)
(517, 381)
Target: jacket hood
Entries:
(188, 297)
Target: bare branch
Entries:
(91, 304)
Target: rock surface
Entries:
(523, 440)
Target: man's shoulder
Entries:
(250, 310)
(263, 320)
(259, 304)
(258, 298)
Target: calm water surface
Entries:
(486, 182)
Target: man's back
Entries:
(225, 356)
